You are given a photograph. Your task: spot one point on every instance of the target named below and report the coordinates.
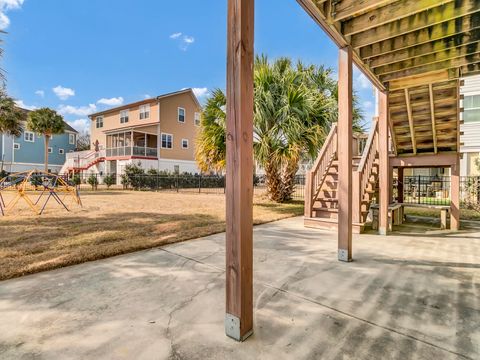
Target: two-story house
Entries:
(157, 133)
(27, 151)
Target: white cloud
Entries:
(183, 41)
(362, 82)
(7, 5)
(147, 96)
(81, 125)
(111, 102)
(78, 111)
(22, 105)
(200, 92)
(40, 93)
(63, 93)
(175, 35)
(367, 104)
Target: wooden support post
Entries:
(384, 166)
(239, 174)
(345, 101)
(455, 196)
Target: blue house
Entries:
(26, 152)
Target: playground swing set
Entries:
(36, 188)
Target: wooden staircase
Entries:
(321, 202)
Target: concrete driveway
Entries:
(405, 296)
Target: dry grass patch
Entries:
(112, 223)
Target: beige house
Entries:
(158, 133)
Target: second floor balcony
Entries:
(132, 143)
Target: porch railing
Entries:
(135, 151)
(316, 176)
(363, 174)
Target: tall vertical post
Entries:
(239, 174)
(400, 185)
(345, 137)
(384, 166)
(455, 196)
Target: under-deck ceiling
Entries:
(416, 49)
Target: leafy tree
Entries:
(11, 116)
(294, 108)
(46, 122)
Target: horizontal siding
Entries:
(471, 86)
(471, 131)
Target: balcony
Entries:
(132, 144)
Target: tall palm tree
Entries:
(210, 150)
(11, 117)
(290, 120)
(294, 108)
(46, 122)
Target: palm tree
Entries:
(290, 120)
(294, 108)
(46, 122)
(11, 117)
(210, 150)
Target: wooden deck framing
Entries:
(413, 51)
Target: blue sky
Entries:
(78, 56)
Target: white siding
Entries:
(471, 136)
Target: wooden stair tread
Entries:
(325, 209)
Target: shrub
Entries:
(93, 181)
(76, 179)
(109, 180)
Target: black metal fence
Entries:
(436, 190)
(174, 183)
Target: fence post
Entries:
(176, 182)
(199, 184)
(418, 190)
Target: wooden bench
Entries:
(444, 210)
(395, 215)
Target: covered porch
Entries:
(415, 54)
(141, 143)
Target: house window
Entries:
(16, 146)
(71, 139)
(61, 151)
(99, 121)
(167, 141)
(123, 116)
(144, 111)
(471, 108)
(181, 115)
(50, 150)
(29, 136)
(184, 143)
(197, 119)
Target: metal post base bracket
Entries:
(232, 328)
(343, 255)
(382, 231)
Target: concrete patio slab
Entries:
(406, 296)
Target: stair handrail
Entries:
(316, 176)
(364, 169)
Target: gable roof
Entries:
(147, 101)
